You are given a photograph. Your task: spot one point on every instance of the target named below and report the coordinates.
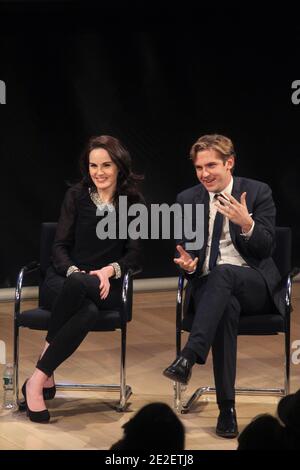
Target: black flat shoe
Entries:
(35, 416)
(49, 393)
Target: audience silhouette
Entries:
(154, 427)
(266, 432)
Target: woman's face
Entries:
(103, 171)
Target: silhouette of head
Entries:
(154, 427)
(264, 432)
(288, 411)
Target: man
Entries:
(232, 272)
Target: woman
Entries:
(85, 269)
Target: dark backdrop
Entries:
(157, 79)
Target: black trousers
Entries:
(75, 305)
(219, 299)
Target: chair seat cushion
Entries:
(269, 324)
(39, 318)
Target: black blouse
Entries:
(76, 242)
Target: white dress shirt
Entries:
(227, 251)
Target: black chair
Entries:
(38, 319)
(270, 323)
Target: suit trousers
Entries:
(219, 299)
(75, 306)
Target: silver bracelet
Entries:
(72, 269)
(117, 269)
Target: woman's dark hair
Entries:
(127, 182)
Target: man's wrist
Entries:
(247, 227)
(191, 272)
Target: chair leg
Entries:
(184, 407)
(287, 344)
(16, 362)
(177, 397)
(177, 386)
(125, 390)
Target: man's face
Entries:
(211, 171)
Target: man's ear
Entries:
(230, 162)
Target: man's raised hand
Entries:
(185, 261)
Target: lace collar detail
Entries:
(101, 205)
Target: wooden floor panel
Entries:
(87, 420)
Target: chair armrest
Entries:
(181, 279)
(126, 287)
(29, 268)
(286, 283)
(294, 272)
(134, 272)
(179, 300)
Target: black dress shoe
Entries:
(35, 416)
(227, 424)
(179, 371)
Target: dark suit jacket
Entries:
(256, 251)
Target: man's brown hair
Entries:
(223, 145)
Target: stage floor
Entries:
(87, 420)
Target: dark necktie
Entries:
(215, 242)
